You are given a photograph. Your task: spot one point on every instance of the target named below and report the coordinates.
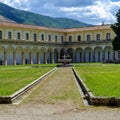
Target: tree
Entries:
(116, 29)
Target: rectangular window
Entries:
(18, 36)
(27, 36)
(108, 37)
(79, 38)
(62, 39)
(49, 37)
(35, 37)
(9, 35)
(0, 34)
(42, 37)
(97, 37)
(56, 38)
(88, 37)
(70, 38)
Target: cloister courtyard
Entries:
(58, 97)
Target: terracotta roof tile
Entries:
(16, 25)
(99, 27)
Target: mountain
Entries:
(8, 13)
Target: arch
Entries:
(108, 53)
(70, 52)
(79, 55)
(98, 53)
(9, 55)
(19, 51)
(35, 55)
(27, 53)
(43, 55)
(88, 54)
(49, 55)
(62, 52)
(56, 56)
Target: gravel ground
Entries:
(34, 109)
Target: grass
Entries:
(101, 79)
(13, 78)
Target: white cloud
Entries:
(99, 11)
(90, 11)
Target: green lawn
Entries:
(13, 78)
(101, 79)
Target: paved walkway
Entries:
(39, 106)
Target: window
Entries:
(42, 37)
(62, 39)
(0, 34)
(18, 36)
(97, 37)
(27, 36)
(70, 38)
(49, 37)
(35, 37)
(9, 35)
(88, 37)
(79, 38)
(107, 36)
(56, 38)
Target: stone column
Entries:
(14, 58)
(45, 58)
(74, 57)
(93, 56)
(23, 59)
(58, 54)
(103, 57)
(5, 58)
(84, 60)
(30, 57)
(118, 54)
(53, 58)
(38, 58)
(113, 56)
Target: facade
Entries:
(27, 44)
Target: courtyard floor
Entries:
(49, 102)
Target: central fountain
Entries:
(65, 61)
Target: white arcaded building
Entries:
(27, 44)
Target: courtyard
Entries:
(58, 97)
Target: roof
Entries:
(26, 26)
(99, 27)
(16, 25)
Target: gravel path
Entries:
(36, 106)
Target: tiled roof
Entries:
(16, 25)
(99, 27)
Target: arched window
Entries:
(0, 35)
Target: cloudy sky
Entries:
(88, 11)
